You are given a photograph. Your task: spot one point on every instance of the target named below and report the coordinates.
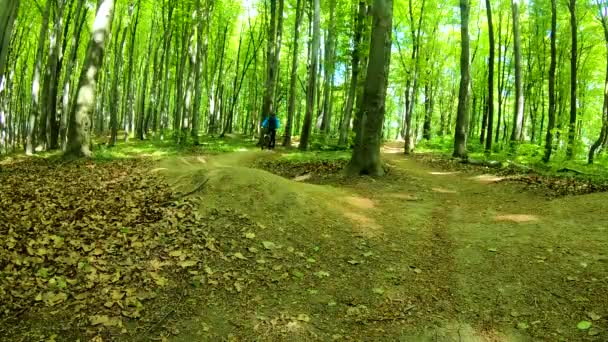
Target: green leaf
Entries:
(584, 325)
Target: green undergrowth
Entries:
(529, 155)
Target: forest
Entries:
(534, 80)
(440, 170)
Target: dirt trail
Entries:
(420, 255)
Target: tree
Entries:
(552, 69)
(516, 134)
(329, 67)
(8, 14)
(462, 119)
(490, 100)
(603, 16)
(355, 69)
(80, 115)
(291, 106)
(573, 79)
(366, 154)
(312, 76)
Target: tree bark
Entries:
(490, 100)
(462, 120)
(413, 93)
(198, 73)
(36, 79)
(8, 13)
(291, 106)
(312, 76)
(329, 68)
(573, 80)
(354, 80)
(54, 70)
(118, 66)
(366, 155)
(271, 63)
(80, 117)
(604, 131)
(552, 100)
(518, 117)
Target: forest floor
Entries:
(280, 246)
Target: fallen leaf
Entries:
(584, 325)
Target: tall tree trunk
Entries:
(330, 46)
(291, 106)
(54, 70)
(490, 100)
(118, 58)
(366, 155)
(144, 87)
(128, 104)
(552, 100)
(36, 80)
(312, 76)
(604, 131)
(80, 15)
(355, 61)
(80, 117)
(573, 80)
(518, 117)
(462, 120)
(8, 13)
(413, 94)
(271, 63)
(200, 51)
(428, 111)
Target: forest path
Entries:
(418, 255)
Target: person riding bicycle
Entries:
(271, 124)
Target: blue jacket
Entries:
(277, 122)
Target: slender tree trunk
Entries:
(312, 76)
(80, 117)
(271, 64)
(54, 70)
(36, 80)
(8, 13)
(490, 100)
(416, 32)
(604, 131)
(366, 155)
(354, 80)
(330, 43)
(144, 88)
(128, 104)
(291, 106)
(67, 101)
(428, 111)
(118, 58)
(198, 73)
(462, 120)
(573, 80)
(552, 100)
(518, 117)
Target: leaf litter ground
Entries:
(115, 251)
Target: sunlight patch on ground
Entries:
(487, 179)
(303, 178)
(364, 225)
(392, 150)
(444, 191)
(517, 218)
(404, 196)
(443, 173)
(360, 202)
